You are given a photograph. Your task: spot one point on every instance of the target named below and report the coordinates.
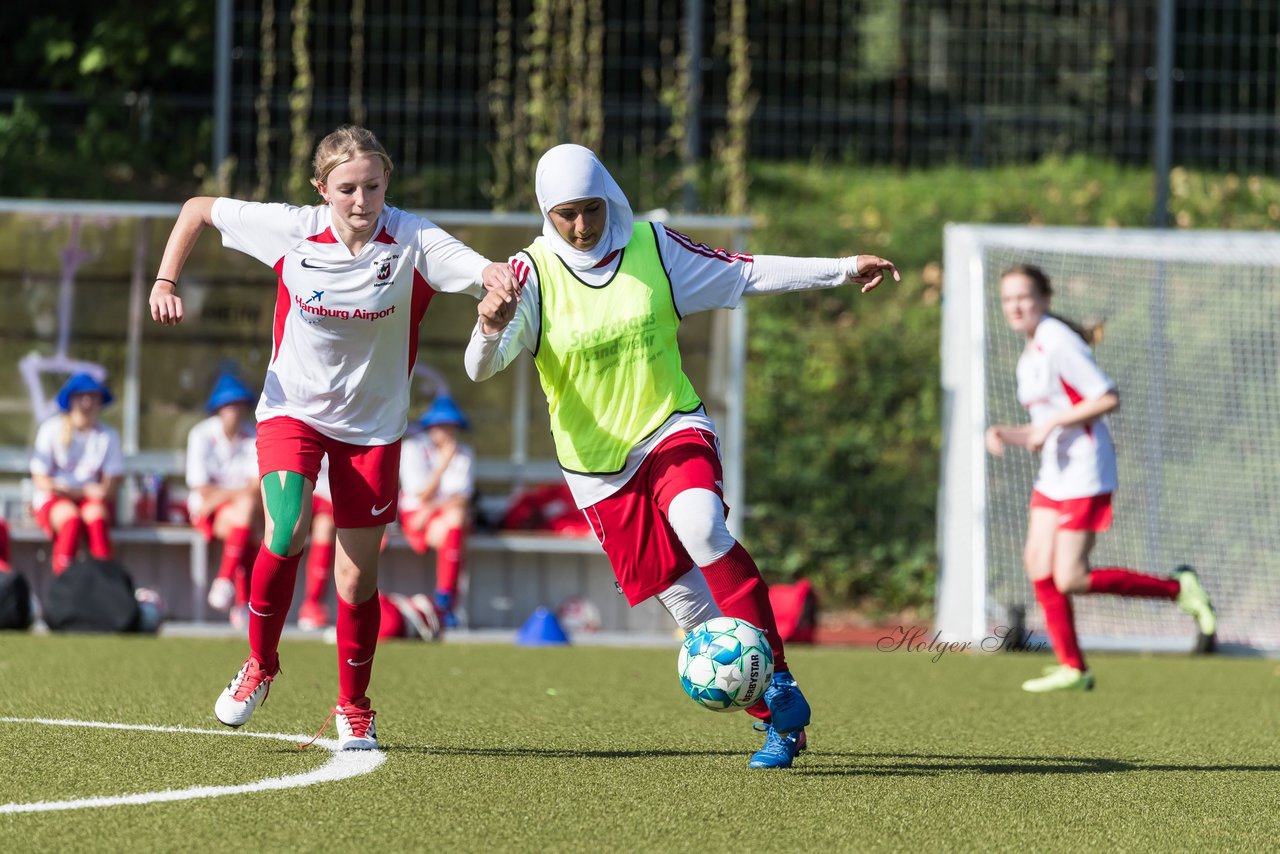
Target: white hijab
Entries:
(568, 173)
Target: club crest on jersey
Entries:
(382, 274)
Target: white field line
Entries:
(341, 765)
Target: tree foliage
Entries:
(112, 95)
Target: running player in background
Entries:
(223, 501)
(638, 449)
(76, 466)
(437, 482)
(1067, 397)
(313, 613)
(355, 277)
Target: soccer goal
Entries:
(1191, 335)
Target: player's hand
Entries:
(95, 492)
(994, 441)
(498, 308)
(166, 306)
(1037, 436)
(870, 271)
(499, 276)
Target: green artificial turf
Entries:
(497, 748)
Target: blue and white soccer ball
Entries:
(151, 610)
(725, 664)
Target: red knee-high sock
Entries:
(449, 562)
(270, 595)
(357, 639)
(65, 543)
(1059, 623)
(319, 565)
(1125, 582)
(243, 581)
(740, 591)
(390, 620)
(99, 538)
(233, 552)
(5, 566)
(243, 574)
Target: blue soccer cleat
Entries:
(787, 706)
(444, 607)
(779, 749)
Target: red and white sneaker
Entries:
(312, 616)
(355, 728)
(222, 594)
(421, 613)
(244, 693)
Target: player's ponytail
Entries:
(1090, 332)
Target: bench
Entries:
(508, 572)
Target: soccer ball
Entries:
(725, 664)
(151, 609)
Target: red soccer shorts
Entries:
(1091, 513)
(632, 525)
(363, 479)
(46, 510)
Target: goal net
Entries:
(1191, 336)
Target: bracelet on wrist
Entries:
(163, 279)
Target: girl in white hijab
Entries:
(598, 303)
(570, 173)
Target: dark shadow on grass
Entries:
(551, 752)
(836, 764)
(930, 765)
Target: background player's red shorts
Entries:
(46, 509)
(1092, 513)
(414, 534)
(205, 523)
(363, 479)
(631, 524)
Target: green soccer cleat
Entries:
(1060, 678)
(1193, 599)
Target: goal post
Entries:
(1191, 324)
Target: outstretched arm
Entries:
(777, 273)
(166, 305)
(704, 278)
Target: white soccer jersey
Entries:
(1055, 372)
(215, 460)
(702, 279)
(419, 459)
(345, 335)
(89, 457)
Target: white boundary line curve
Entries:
(342, 764)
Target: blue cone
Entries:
(541, 629)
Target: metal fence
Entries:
(678, 93)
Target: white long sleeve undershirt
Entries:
(702, 279)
